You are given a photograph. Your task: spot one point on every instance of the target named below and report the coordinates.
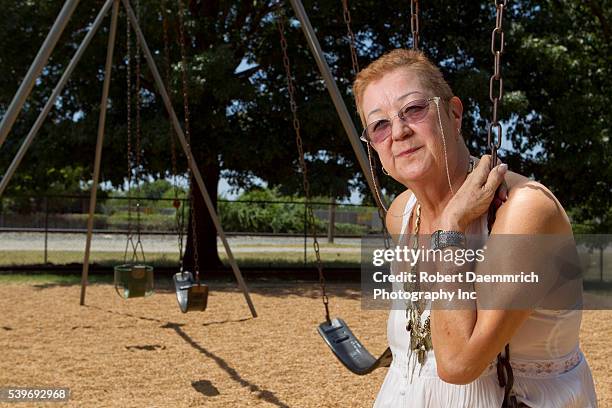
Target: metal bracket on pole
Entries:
(332, 88)
(187, 150)
(56, 92)
(101, 123)
(36, 68)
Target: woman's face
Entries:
(413, 151)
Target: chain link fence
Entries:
(52, 229)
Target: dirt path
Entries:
(144, 352)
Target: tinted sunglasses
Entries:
(413, 112)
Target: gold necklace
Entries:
(420, 333)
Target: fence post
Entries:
(46, 226)
(305, 234)
(331, 227)
(601, 263)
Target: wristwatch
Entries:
(442, 239)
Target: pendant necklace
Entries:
(420, 333)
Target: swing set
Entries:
(134, 278)
(191, 294)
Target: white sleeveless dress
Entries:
(549, 369)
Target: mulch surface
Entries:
(145, 352)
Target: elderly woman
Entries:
(412, 121)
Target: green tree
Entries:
(556, 75)
(156, 189)
(565, 78)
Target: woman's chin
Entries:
(409, 180)
(411, 172)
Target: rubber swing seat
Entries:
(349, 350)
(190, 295)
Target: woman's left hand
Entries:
(475, 195)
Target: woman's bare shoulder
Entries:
(395, 213)
(530, 208)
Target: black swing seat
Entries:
(190, 295)
(349, 350)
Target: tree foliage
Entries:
(556, 69)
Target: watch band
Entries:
(442, 239)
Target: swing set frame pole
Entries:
(187, 150)
(99, 143)
(54, 95)
(36, 68)
(334, 93)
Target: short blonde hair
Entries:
(429, 75)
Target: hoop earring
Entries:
(385, 172)
(458, 134)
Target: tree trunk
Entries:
(206, 233)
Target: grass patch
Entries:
(49, 278)
(255, 259)
(18, 258)
(293, 259)
(169, 260)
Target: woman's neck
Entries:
(434, 196)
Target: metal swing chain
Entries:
(496, 81)
(138, 123)
(414, 23)
(166, 39)
(385, 232)
(180, 220)
(351, 36)
(356, 69)
(129, 120)
(504, 368)
(129, 138)
(299, 143)
(138, 141)
(181, 14)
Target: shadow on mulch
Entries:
(227, 321)
(263, 394)
(205, 387)
(146, 347)
(41, 286)
(151, 319)
(280, 289)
